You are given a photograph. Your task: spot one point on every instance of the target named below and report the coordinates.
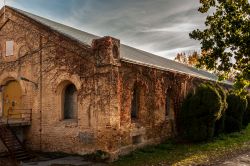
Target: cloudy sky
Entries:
(157, 26)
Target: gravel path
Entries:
(241, 160)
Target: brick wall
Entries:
(104, 85)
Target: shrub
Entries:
(220, 123)
(199, 113)
(246, 116)
(234, 113)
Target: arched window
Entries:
(70, 102)
(135, 102)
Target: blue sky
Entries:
(157, 26)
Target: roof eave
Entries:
(167, 69)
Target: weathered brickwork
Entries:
(104, 87)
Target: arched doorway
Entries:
(70, 102)
(12, 97)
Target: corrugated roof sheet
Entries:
(128, 54)
(131, 54)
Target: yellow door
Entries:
(12, 97)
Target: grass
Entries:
(171, 153)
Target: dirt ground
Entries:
(241, 159)
(6, 162)
(64, 161)
(235, 159)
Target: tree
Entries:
(226, 40)
(193, 58)
(181, 57)
(188, 59)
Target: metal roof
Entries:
(128, 54)
(71, 32)
(134, 55)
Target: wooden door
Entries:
(12, 98)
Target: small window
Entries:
(137, 139)
(9, 48)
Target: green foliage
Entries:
(246, 117)
(172, 153)
(226, 37)
(199, 113)
(234, 114)
(220, 123)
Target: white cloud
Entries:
(181, 27)
(1, 3)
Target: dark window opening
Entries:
(137, 139)
(70, 102)
(135, 102)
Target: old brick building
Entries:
(65, 90)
